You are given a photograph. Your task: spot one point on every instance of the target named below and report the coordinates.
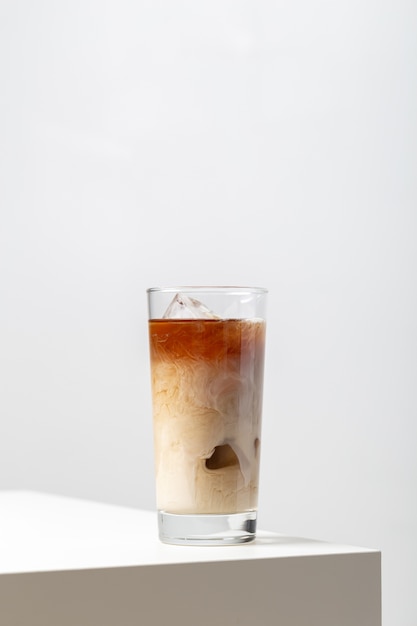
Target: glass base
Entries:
(207, 530)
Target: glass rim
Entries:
(232, 289)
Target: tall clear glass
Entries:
(207, 348)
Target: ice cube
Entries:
(183, 307)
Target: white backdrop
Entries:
(264, 143)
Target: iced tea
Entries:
(207, 381)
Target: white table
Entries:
(68, 562)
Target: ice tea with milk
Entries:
(207, 382)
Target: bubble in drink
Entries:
(207, 378)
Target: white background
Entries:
(234, 142)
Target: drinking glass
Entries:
(207, 348)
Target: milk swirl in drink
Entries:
(207, 379)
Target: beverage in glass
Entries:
(207, 349)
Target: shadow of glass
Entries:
(264, 539)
